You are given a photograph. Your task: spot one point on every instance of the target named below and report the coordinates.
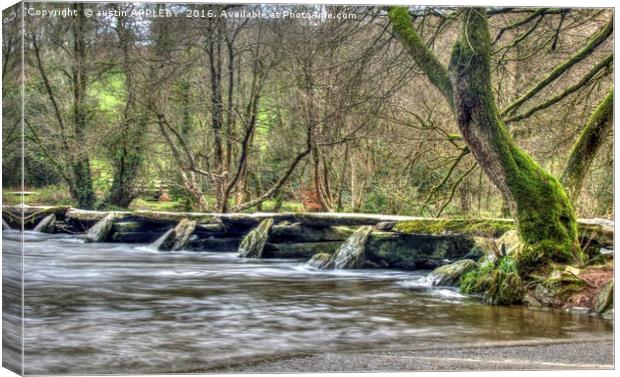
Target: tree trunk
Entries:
(588, 144)
(544, 215)
(83, 185)
(127, 153)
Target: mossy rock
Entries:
(451, 274)
(473, 227)
(322, 261)
(47, 224)
(605, 298)
(506, 288)
(352, 253)
(564, 283)
(253, 243)
(543, 296)
(101, 230)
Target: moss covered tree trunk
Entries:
(585, 149)
(544, 215)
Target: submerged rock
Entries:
(352, 252)
(47, 225)
(177, 238)
(323, 261)
(100, 231)
(451, 274)
(605, 299)
(254, 242)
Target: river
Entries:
(123, 308)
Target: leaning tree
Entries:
(543, 212)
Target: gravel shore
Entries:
(547, 355)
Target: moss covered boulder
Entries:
(451, 274)
(303, 250)
(100, 231)
(562, 283)
(176, 238)
(47, 224)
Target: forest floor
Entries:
(531, 355)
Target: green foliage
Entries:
(176, 205)
(108, 93)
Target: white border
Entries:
(506, 3)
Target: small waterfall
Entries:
(47, 224)
(254, 242)
(158, 243)
(175, 239)
(321, 261)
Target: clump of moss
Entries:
(499, 282)
(475, 227)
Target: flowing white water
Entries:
(120, 308)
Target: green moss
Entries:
(545, 217)
(499, 282)
(476, 227)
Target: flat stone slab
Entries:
(600, 230)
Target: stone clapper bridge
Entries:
(328, 240)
